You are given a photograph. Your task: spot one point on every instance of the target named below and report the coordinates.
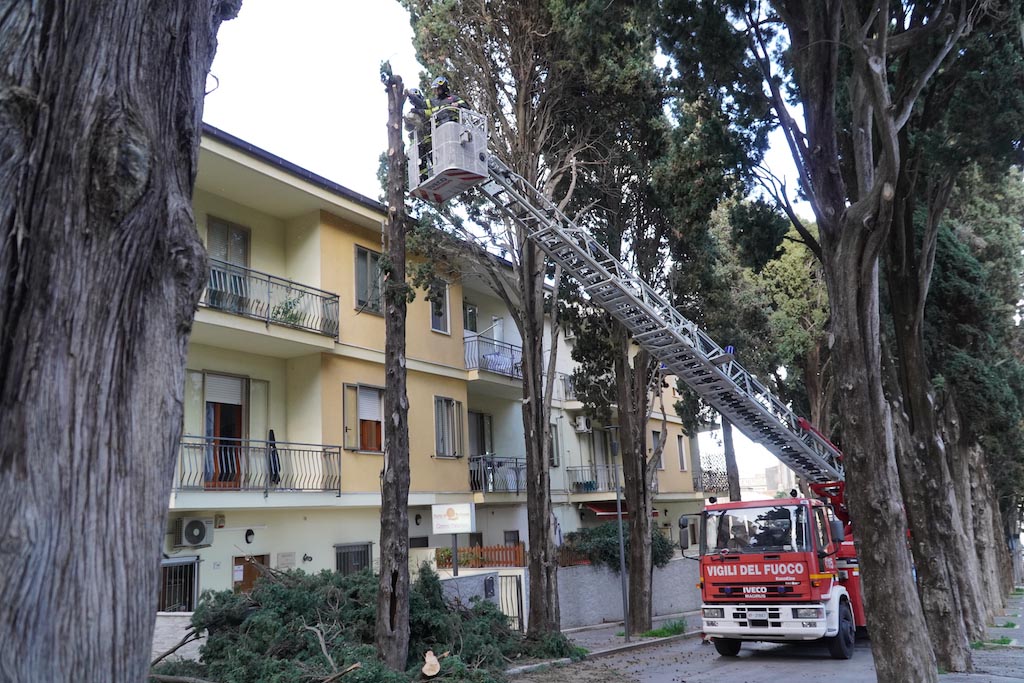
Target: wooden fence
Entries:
(570, 557)
(483, 556)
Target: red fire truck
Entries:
(780, 570)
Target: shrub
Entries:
(601, 545)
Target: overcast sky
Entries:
(301, 79)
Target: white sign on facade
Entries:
(454, 518)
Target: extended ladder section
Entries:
(678, 344)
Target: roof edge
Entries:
(290, 168)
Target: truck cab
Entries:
(777, 571)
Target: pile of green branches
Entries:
(300, 628)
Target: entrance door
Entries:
(244, 572)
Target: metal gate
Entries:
(511, 599)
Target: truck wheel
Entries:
(727, 647)
(840, 646)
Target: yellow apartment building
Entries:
(280, 458)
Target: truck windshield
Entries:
(775, 528)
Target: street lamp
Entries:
(622, 543)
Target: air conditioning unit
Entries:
(192, 532)
(583, 424)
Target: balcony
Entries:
(492, 474)
(215, 464)
(598, 479)
(261, 296)
(592, 478)
(501, 358)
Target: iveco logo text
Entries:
(768, 569)
(755, 589)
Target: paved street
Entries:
(688, 660)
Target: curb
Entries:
(625, 647)
(639, 644)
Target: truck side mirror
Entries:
(838, 533)
(684, 532)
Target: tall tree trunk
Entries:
(543, 562)
(100, 271)
(899, 637)
(631, 388)
(732, 470)
(392, 630)
(946, 567)
(981, 498)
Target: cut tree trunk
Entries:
(100, 271)
(392, 629)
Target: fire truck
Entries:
(783, 570)
(779, 570)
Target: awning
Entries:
(605, 509)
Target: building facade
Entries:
(281, 454)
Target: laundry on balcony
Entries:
(496, 362)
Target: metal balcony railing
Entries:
(262, 296)
(492, 474)
(484, 353)
(592, 478)
(215, 464)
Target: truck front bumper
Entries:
(796, 621)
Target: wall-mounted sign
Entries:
(454, 518)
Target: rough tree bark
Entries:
(632, 397)
(392, 630)
(544, 615)
(946, 569)
(100, 271)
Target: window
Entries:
(228, 246)
(439, 308)
(481, 430)
(225, 430)
(178, 583)
(368, 280)
(364, 418)
(419, 541)
(447, 428)
(682, 453)
(553, 445)
(512, 537)
(352, 557)
(469, 314)
(655, 440)
(227, 242)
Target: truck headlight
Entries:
(713, 613)
(808, 612)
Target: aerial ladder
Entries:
(458, 160)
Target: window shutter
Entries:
(217, 239)
(369, 404)
(221, 389)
